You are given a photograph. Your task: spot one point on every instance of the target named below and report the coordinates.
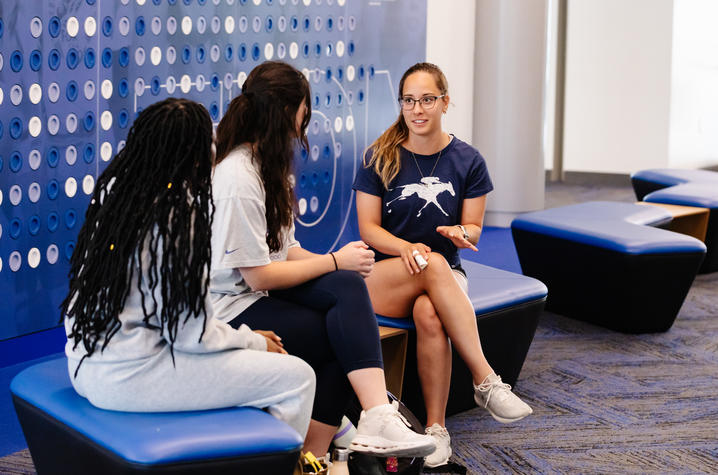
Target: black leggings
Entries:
(329, 322)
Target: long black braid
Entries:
(154, 197)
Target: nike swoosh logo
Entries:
(230, 252)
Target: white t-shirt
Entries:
(239, 233)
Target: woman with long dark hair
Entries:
(141, 332)
(421, 196)
(317, 304)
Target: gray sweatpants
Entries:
(283, 384)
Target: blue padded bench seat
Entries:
(698, 194)
(507, 307)
(609, 263)
(66, 434)
(646, 181)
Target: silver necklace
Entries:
(431, 173)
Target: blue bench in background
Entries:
(609, 263)
(647, 181)
(507, 308)
(68, 435)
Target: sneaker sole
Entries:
(387, 448)
(503, 420)
(444, 462)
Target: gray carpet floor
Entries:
(604, 402)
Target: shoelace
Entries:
(395, 405)
(489, 389)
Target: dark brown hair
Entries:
(264, 116)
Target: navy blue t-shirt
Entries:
(419, 201)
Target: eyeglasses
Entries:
(426, 102)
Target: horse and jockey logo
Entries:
(428, 190)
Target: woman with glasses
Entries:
(421, 197)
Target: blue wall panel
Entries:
(74, 74)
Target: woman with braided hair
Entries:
(261, 276)
(142, 335)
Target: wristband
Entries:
(463, 229)
(336, 267)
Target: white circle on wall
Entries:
(36, 27)
(257, 2)
(171, 25)
(186, 25)
(71, 123)
(281, 51)
(15, 261)
(33, 257)
(216, 24)
(124, 26)
(293, 50)
(1, 96)
(0, 257)
(139, 86)
(350, 123)
(171, 85)
(340, 48)
(106, 88)
(90, 26)
(228, 80)
(16, 95)
(314, 204)
(140, 2)
(0, 204)
(341, 2)
(34, 159)
(88, 184)
(15, 195)
(256, 24)
(140, 56)
(307, 2)
(241, 77)
(214, 53)
(34, 191)
(53, 125)
(156, 55)
(185, 83)
(243, 24)
(338, 124)
(327, 125)
(171, 55)
(229, 25)
(106, 151)
(199, 83)
(201, 25)
(156, 25)
(53, 92)
(307, 73)
(302, 206)
(351, 72)
(315, 153)
(89, 90)
(35, 93)
(71, 155)
(120, 145)
(34, 126)
(282, 24)
(269, 51)
(70, 187)
(106, 120)
(73, 26)
(52, 253)
(1, 62)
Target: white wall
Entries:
(618, 85)
(450, 45)
(694, 96)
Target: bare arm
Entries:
(371, 231)
(472, 218)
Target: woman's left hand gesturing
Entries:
(456, 236)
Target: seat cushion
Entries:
(702, 195)
(671, 176)
(490, 289)
(154, 438)
(624, 227)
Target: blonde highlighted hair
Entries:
(385, 157)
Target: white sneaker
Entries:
(498, 399)
(443, 446)
(384, 432)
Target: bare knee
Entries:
(438, 268)
(426, 319)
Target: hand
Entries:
(274, 342)
(456, 236)
(407, 255)
(355, 256)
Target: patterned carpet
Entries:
(606, 402)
